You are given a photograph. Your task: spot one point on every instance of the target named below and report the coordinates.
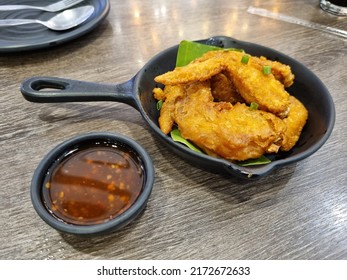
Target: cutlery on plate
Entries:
(55, 7)
(61, 21)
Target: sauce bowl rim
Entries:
(111, 225)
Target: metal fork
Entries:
(55, 7)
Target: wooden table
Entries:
(297, 212)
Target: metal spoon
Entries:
(62, 21)
(55, 7)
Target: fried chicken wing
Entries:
(233, 132)
(265, 90)
(201, 71)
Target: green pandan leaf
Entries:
(188, 51)
(256, 161)
(176, 136)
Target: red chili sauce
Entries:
(93, 183)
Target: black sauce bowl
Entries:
(49, 162)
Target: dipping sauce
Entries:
(93, 182)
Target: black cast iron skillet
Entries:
(137, 92)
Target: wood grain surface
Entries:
(297, 212)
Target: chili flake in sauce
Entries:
(93, 183)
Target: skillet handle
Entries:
(56, 90)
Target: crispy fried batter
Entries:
(295, 122)
(254, 86)
(170, 94)
(192, 72)
(280, 71)
(249, 81)
(159, 94)
(207, 101)
(221, 129)
(224, 90)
